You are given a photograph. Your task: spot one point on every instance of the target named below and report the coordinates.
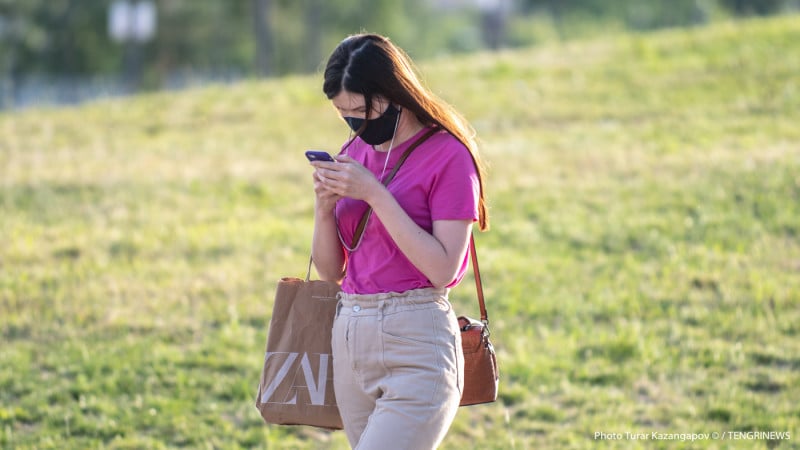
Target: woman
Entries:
(396, 343)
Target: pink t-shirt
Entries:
(438, 181)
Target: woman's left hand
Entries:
(347, 178)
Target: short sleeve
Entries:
(456, 189)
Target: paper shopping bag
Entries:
(296, 386)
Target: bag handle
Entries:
(362, 224)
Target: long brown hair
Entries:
(371, 65)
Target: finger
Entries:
(330, 176)
(324, 191)
(324, 164)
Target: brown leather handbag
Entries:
(481, 375)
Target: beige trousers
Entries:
(398, 368)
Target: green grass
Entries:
(642, 271)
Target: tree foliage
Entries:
(70, 37)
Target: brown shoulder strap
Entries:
(478, 283)
(363, 222)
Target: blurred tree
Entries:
(761, 7)
(263, 35)
(494, 18)
(313, 24)
(64, 36)
(406, 23)
(42, 37)
(204, 36)
(645, 15)
(665, 14)
(70, 38)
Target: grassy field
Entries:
(642, 271)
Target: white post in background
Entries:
(132, 23)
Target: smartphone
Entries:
(318, 155)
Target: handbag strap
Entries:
(473, 252)
(362, 224)
(478, 284)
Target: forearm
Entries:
(326, 251)
(437, 255)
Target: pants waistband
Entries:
(411, 296)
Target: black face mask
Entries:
(377, 130)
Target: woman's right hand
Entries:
(326, 199)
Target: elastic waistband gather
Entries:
(411, 296)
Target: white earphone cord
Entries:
(383, 172)
(391, 145)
